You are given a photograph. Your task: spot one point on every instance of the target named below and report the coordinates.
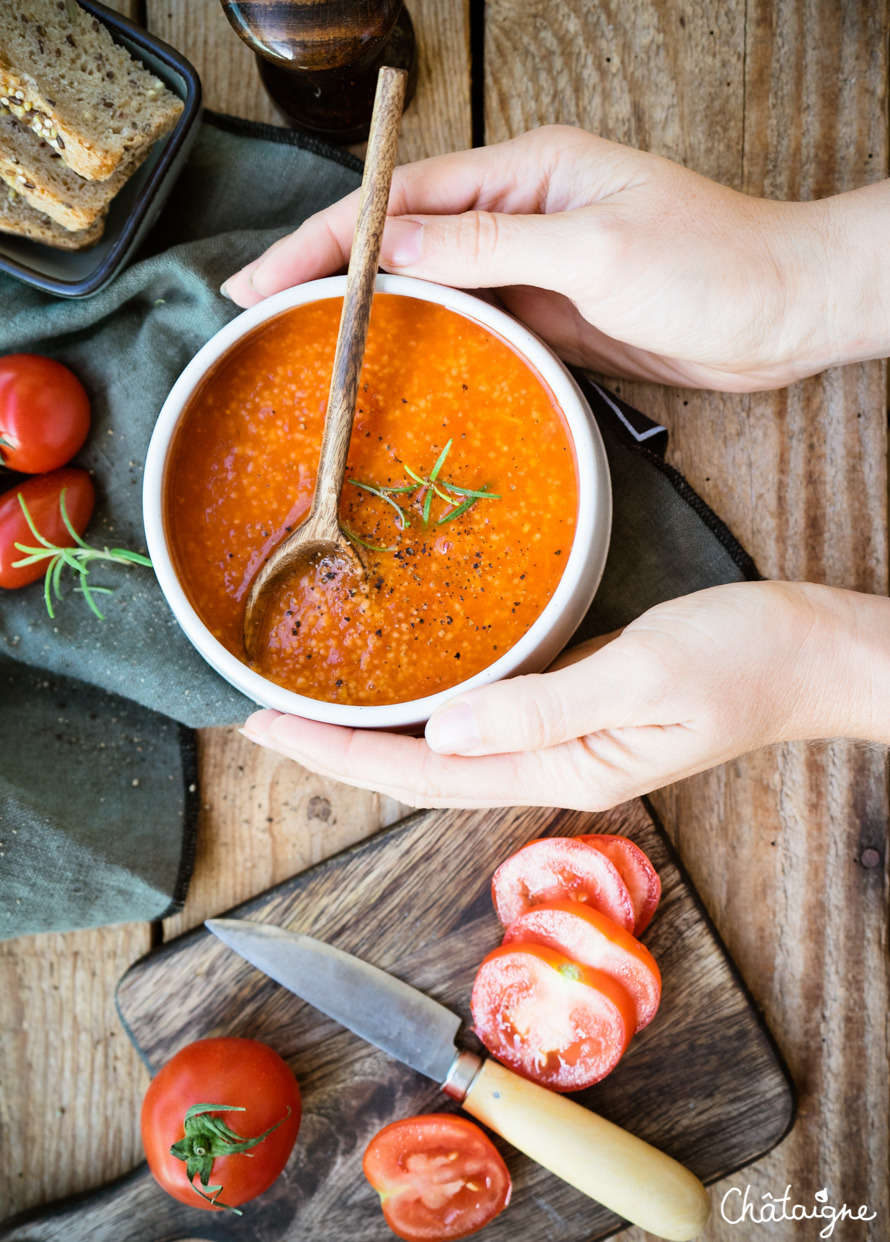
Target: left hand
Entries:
(692, 683)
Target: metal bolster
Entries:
(458, 1080)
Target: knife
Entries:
(623, 1173)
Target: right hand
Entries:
(623, 261)
(691, 683)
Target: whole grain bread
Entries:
(62, 74)
(41, 177)
(19, 217)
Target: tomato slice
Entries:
(556, 869)
(550, 1019)
(438, 1177)
(41, 495)
(588, 937)
(635, 870)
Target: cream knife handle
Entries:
(600, 1159)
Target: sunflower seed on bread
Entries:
(43, 179)
(19, 217)
(62, 74)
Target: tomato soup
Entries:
(461, 497)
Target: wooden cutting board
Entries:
(704, 1081)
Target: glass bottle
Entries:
(318, 59)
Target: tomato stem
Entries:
(205, 1138)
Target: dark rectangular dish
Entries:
(77, 274)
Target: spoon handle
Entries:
(353, 333)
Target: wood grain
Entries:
(788, 99)
(71, 1084)
(701, 1082)
(263, 819)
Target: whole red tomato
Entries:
(439, 1177)
(240, 1085)
(44, 413)
(42, 497)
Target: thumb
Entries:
(603, 691)
(484, 249)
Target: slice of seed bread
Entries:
(62, 74)
(41, 177)
(17, 216)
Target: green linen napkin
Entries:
(80, 698)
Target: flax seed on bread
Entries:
(62, 74)
(19, 217)
(41, 177)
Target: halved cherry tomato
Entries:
(44, 413)
(586, 936)
(550, 1019)
(242, 1075)
(41, 495)
(635, 870)
(438, 1176)
(556, 869)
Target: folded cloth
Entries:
(95, 847)
(98, 803)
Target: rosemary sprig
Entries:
(459, 498)
(456, 513)
(75, 558)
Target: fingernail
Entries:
(224, 289)
(453, 731)
(402, 243)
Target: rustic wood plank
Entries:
(786, 98)
(265, 818)
(71, 1084)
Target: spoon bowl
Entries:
(297, 554)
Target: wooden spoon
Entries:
(320, 536)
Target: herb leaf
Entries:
(458, 512)
(379, 491)
(440, 461)
(75, 558)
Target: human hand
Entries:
(690, 684)
(625, 262)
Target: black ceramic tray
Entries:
(76, 274)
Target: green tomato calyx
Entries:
(207, 1137)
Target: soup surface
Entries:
(454, 580)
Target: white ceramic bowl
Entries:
(584, 566)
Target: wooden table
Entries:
(782, 98)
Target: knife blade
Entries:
(634, 1179)
(408, 1025)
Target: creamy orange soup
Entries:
(453, 580)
